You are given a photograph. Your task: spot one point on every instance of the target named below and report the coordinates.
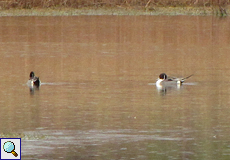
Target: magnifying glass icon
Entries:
(9, 147)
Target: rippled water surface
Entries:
(98, 98)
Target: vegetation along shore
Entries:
(113, 7)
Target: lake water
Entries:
(98, 98)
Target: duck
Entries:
(164, 80)
(34, 81)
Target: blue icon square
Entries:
(10, 148)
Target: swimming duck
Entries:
(34, 81)
(163, 80)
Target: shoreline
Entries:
(154, 11)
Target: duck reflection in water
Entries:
(34, 82)
(164, 83)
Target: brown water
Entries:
(98, 98)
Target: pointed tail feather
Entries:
(187, 77)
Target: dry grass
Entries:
(29, 4)
(108, 7)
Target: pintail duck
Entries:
(163, 80)
(34, 81)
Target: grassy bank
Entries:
(113, 7)
(28, 4)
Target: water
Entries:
(98, 98)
